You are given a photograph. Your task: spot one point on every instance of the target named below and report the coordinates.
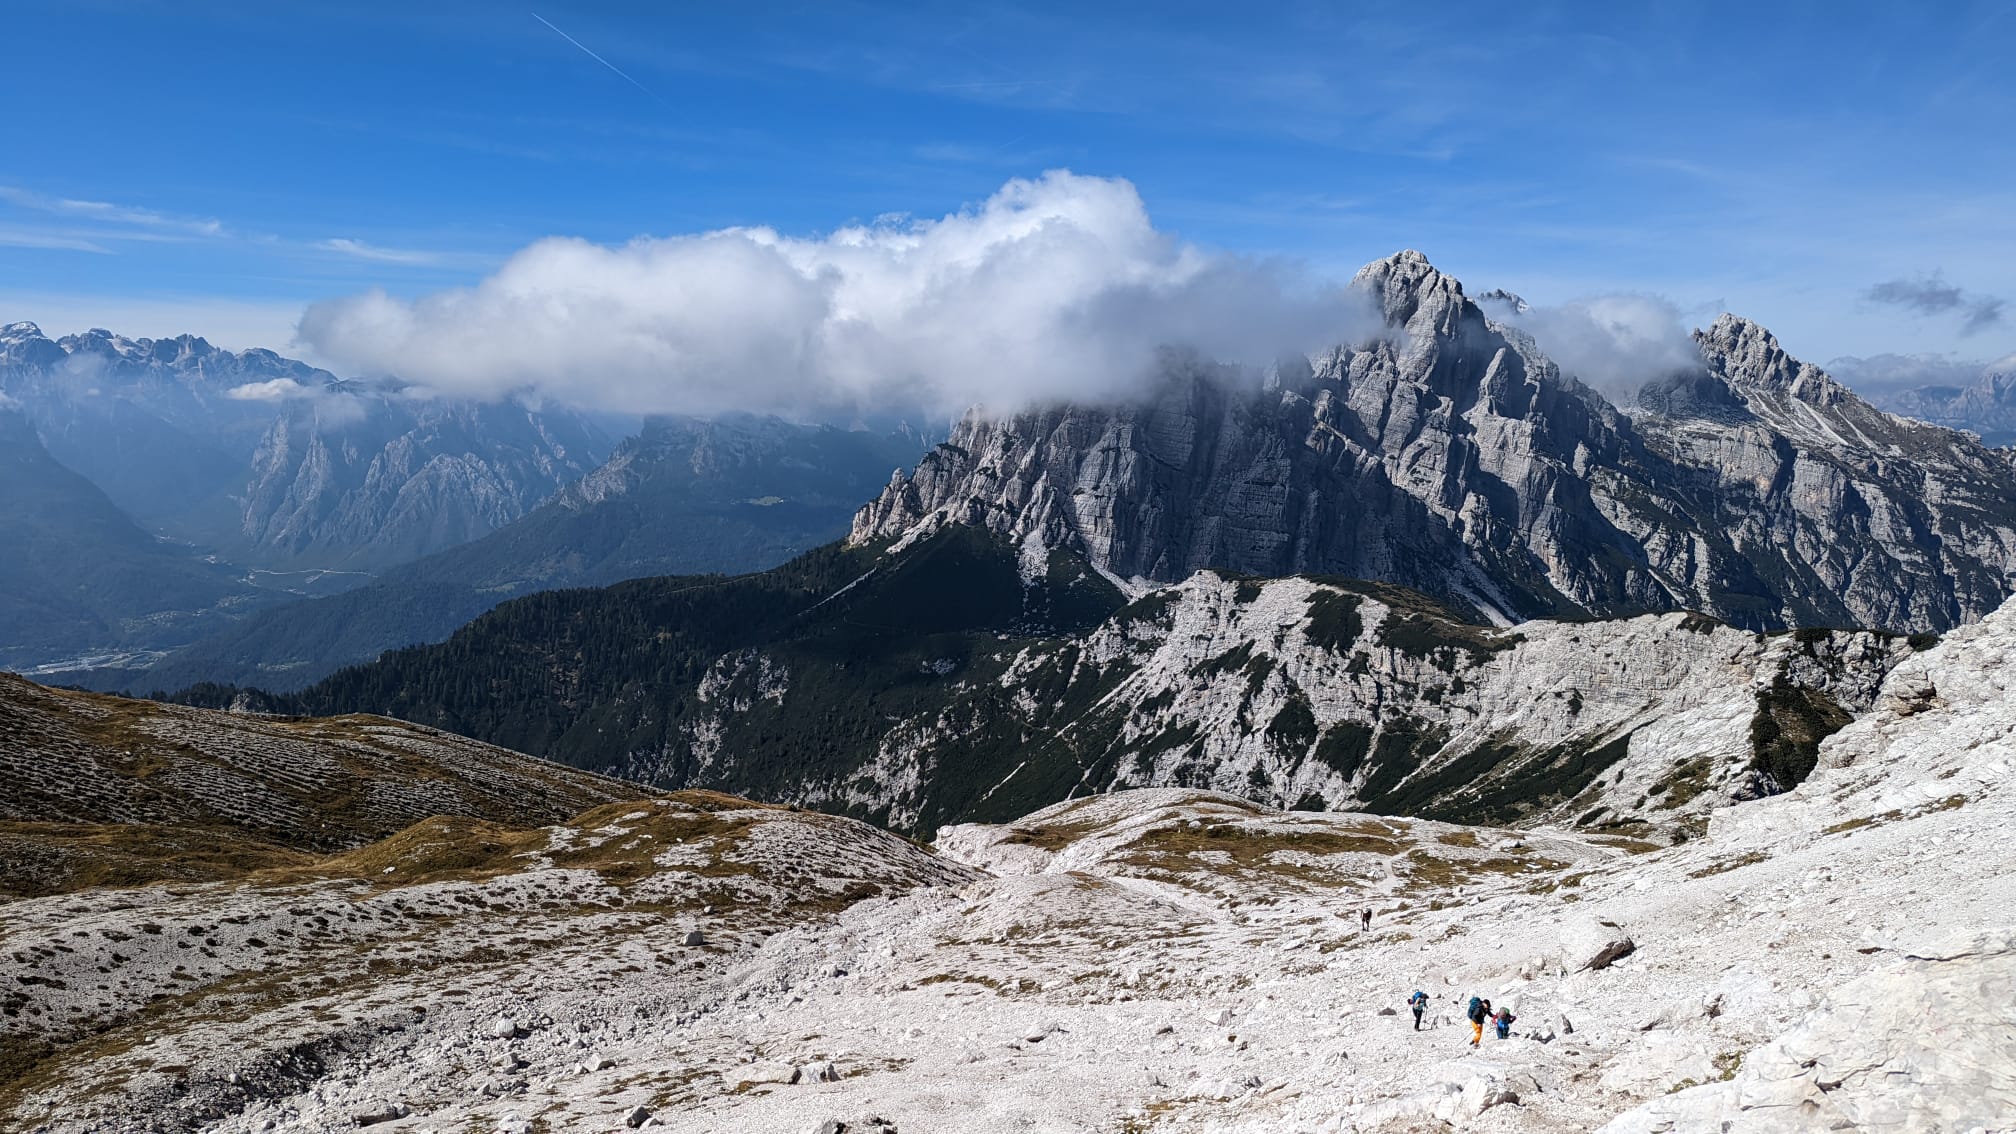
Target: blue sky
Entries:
(216, 167)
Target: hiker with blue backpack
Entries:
(1418, 1002)
(1503, 1020)
(1479, 1011)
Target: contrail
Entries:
(592, 55)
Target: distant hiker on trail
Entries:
(1480, 1011)
(1418, 1002)
(1364, 919)
(1504, 1020)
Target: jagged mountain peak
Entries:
(14, 332)
(1749, 357)
(1408, 288)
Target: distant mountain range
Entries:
(77, 573)
(684, 496)
(244, 480)
(1986, 406)
(272, 463)
(1286, 591)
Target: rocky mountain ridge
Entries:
(948, 681)
(684, 496)
(1453, 457)
(280, 464)
(1986, 406)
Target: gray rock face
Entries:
(1593, 942)
(1866, 1059)
(402, 479)
(1455, 458)
(1303, 693)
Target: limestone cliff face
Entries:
(1301, 693)
(1453, 457)
(383, 481)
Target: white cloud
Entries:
(272, 390)
(363, 251)
(15, 237)
(108, 213)
(1052, 288)
(1616, 343)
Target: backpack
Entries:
(1476, 1010)
(1418, 999)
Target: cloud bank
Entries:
(1932, 295)
(1057, 287)
(1615, 343)
(271, 390)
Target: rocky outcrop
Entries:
(1327, 695)
(1454, 458)
(1924, 1044)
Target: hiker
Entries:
(1364, 919)
(1418, 1002)
(1480, 1011)
(1504, 1020)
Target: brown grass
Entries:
(1424, 866)
(44, 859)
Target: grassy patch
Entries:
(1426, 867)
(1230, 849)
(44, 859)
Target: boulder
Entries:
(388, 1112)
(503, 1027)
(637, 1117)
(1589, 943)
(758, 1074)
(695, 937)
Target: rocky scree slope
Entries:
(1453, 458)
(957, 679)
(292, 974)
(1151, 960)
(97, 790)
(683, 497)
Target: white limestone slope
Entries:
(1158, 960)
(1671, 697)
